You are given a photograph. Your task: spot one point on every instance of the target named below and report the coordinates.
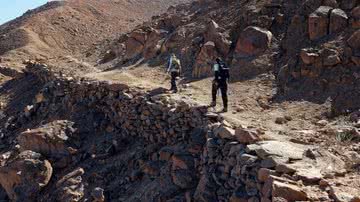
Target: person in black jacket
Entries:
(220, 81)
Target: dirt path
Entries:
(249, 104)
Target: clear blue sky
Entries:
(10, 9)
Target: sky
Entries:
(10, 9)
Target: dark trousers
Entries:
(223, 86)
(174, 75)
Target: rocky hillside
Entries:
(311, 46)
(82, 140)
(67, 136)
(69, 33)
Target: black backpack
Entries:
(223, 70)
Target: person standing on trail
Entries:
(220, 81)
(174, 69)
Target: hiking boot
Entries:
(224, 110)
(213, 104)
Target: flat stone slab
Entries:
(283, 150)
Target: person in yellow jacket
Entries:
(174, 69)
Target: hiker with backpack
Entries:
(220, 81)
(174, 69)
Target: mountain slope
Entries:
(64, 32)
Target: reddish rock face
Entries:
(133, 48)
(139, 35)
(216, 45)
(153, 44)
(203, 63)
(319, 22)
(253, 41)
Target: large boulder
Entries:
(253, 41)
(216, 34)
(51, 140)
(135, 43)
(24, 176)
(204, 60)
(338, 21)
(277, 151)
(319, 22)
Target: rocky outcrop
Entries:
(24, 175)
(253, 41)
(216, 45)
(51, 140)
(133, 48)
(217, 35)
(205, 60)
(154, 43)
(326, 20)
(319, 22)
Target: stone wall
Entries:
(174, 150)
(125, 110)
